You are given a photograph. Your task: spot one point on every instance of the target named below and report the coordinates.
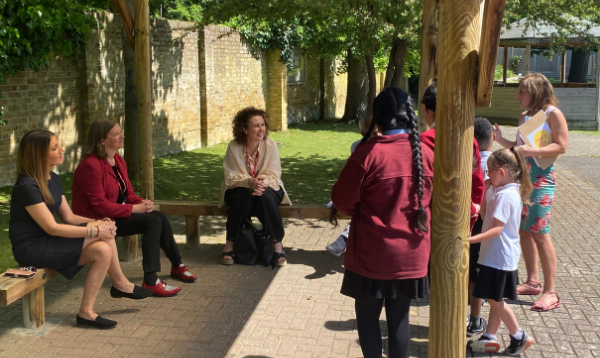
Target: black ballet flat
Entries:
(137, 294)
(100, 323)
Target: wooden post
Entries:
(34, 311)
(428, 53)
(192, 233)
(144, 96)
(563, 66)
(126, 19)
(527, 58)
(504, 64)
(488, 50)
(130, 248)
(455, 111)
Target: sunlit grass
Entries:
(312, 156)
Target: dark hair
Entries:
(240, 121)
(32, 159)
(483, 132)
(430, 96)
(98, 131)
(512, 161)
(392, 109)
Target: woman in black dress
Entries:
(39, 240)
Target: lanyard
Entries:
(122, 189)
(253, 174)
(395, 131)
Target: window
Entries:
(298, 74)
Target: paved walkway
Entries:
(297, 311)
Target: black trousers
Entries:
(242, 205)
(368, 311)
(156, 234)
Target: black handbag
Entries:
(265, 248)
(244, 250)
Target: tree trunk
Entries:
(131, 154)
(389, 72)
(579, 65)
(399, 59)
(356, 93)
(372, 83)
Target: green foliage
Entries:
(498, 73)
(514, 63)
(185, 10)
(33, 31)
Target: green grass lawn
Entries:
(312, 156)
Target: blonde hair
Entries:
(513, 162)
(541, 91)
(32, 159)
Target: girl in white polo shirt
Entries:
(500, 249)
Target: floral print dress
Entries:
(535, 218)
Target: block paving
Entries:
(297, 311)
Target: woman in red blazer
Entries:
(101, 188)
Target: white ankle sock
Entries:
(490, 336)
(518, 335)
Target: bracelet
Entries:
(98, 231)
(92, 230)
(89, 231)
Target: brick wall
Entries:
(303, 100)
(231, 79)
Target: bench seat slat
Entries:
(11, 289)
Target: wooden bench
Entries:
(32, 291)
(192, 210)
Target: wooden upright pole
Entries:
(563, 66)
(457, 47)
(527, 59)
(428, 52)
(144, 96)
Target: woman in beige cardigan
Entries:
(253, 182)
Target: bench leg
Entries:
(34, 311)
(130, 248)
(192, 233)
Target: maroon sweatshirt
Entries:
(377, 189)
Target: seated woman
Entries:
(101, 188)
(38, 240)
(253, 182)
(386, 187)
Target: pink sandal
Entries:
(529, 288)
(540, 306)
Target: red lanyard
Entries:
(255, 162)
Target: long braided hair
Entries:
(392, 109)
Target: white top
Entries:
(354, 145)
(502, 252)
(485, 155)
(520, 140)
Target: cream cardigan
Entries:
(237, 173)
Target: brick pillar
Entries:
(276, 91)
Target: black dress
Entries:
(31, 245)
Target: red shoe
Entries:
(162, 289)
(183, 274)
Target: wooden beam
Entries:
(428, 53)
(455, 112)
(488, 50)
(563, 66)
(34, 310)
(144, 97)
(126, 20)
(504, 64)
(527, 59)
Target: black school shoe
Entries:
(100, 323)
(477, 327)
(517, 346)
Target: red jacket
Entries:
(95, 189)
(477, 184)
(377, 189)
